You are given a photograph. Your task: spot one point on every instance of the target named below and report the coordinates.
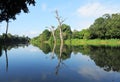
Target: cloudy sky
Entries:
(79, 14)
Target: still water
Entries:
(45, 64)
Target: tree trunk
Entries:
(54, 37)
(61, 35)
(7, 27)
(53, 33)
(60, 21)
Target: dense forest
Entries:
(105, 27)
(13, 39)
(46, 35)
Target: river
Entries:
(28, 63)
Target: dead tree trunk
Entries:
(7, 28)
(60, 21)
(53, 33)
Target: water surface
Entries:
(76, 64)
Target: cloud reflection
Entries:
(92, 73)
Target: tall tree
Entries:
(67, 33)
(10, 8)
(53, 33)
(60, 21)
(45, 35)
(106, 27)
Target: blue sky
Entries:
(79, 14)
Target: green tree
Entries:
(76, 34)
(10, 8)
(86, 34)
(83, 34)
(66, 31)
(106, 27)
(45, 35)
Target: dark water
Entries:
(45, 64)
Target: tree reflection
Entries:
(44, 47)
(9, 47)
(59, 59)
(62, 52)
(0, 50)
(106, 57)
(5, 49)
(53, 50)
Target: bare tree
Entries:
(53, 34)
(7, 28)
(60, 21)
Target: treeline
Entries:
(13, 39)
(105, 27)
(46, 35)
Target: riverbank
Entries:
(109, 42)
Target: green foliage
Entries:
(45, 35)
(83, 34)
(10, 8)
(104, 56)
(66, 30)
(76, 42)
(86, 34)
(13, 39)
(66, 53)
(77, 35)
(106, 27)
(47, 48)
(35, 40)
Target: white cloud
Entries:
(90, 11)
(96, 9)
(44, 7)
(84, 24)
(31, 34)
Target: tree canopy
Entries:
(105, 27)
(10, 8)
(66, 31)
